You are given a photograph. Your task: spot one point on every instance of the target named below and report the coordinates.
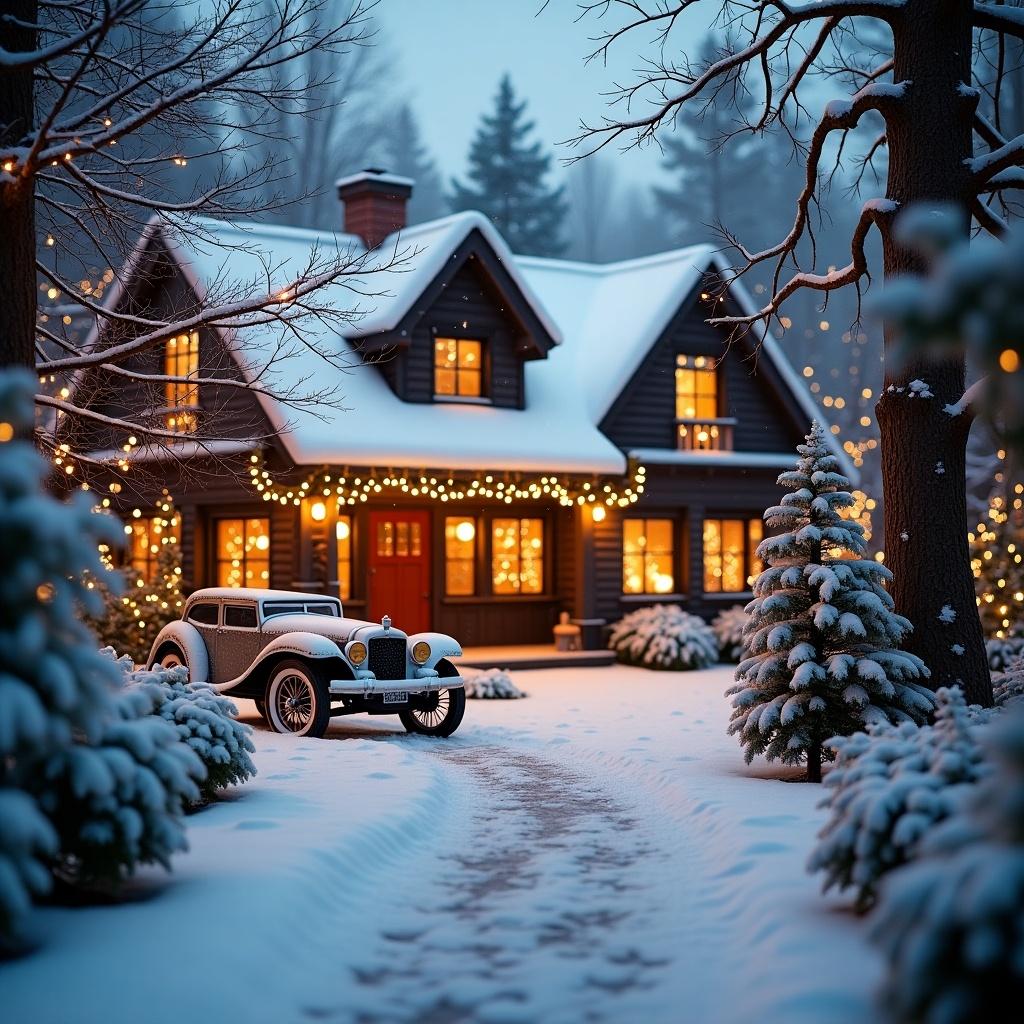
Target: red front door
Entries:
(400, 569)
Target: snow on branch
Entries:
(999, 18)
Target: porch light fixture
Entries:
(465, 531)
(597, 513)
(342, 529)
(318, 511)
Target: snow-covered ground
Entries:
(598, 851)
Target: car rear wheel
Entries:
(437, 714)
(298, 700)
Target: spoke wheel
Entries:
(436, 714)
(297, 700)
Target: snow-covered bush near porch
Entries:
(1009, 685)
(663, 636)
(1002, 652)
(204, 720)
(951, 925)
(890, 787)
(728, 625)
(55, 688)
(821, 650)
(491, 684)
(120, 800)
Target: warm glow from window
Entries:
(399, 539)
(647, 556)
(459, 556)
(730, 558)
(517, 556)
(181, 359)
(343, 534)
(458, 367)
(696, 388)
(243, 552)
(143, 547)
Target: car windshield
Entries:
(299, 607)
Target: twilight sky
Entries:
(450, 54)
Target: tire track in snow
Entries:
(537, 913)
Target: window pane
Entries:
(632, 574)
(633, 538)
(240, 617)
(648, 556)
(385, 539)
(205, 614)
(712, 556)
(243, 552)
(733, 551)
(458, 366)
(659, 535)
(531, 544)
(343, 535)
(460, 556)
(505, 556)
(181, 359)
(469, 383)
(415, 545)
(696, 397)
(755, 533)
(444, 382)
(402, 539)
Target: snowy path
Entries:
(597, 852)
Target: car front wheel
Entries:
(436, 714)
(170, 656)
(298, 700)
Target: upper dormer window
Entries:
(699, 427)
(181, 360)
(458, 368)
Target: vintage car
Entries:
(303, 662)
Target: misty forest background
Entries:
(716, 180)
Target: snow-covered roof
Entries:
(252, 594)
(604, 319)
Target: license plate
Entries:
(396, 696)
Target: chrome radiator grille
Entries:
(387, 657)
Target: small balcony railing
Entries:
(706, 435)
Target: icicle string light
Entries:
(353, 489)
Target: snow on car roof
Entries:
(605, 317)
(253, 594)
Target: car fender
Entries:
(441, 646)
(300, 644)
(190, 642)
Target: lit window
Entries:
(343, 533)
(697, 405)
(143, 547)
(399, 539)
(458, 367)
(181, 359)
(460, 556)
(517, 556)
(243, 552)
(730, 554)
(647, 556)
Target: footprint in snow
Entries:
(380, 775)
(765, 847)
(281, 777)
(298, 757)
(768, 821)
(252, 826)
(677, 714)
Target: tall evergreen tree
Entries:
(506, 180)
(406, 154)
(821, 652)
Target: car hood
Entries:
(341, 630)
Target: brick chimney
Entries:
(374, 204)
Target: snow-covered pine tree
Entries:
(997, 559)
(408, 156)
(506, 180)
(54, 685)
(821, 652)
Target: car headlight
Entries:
(356, 652)
(420, 652)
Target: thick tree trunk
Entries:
(814, 763)
(924, 448)
(17, 209)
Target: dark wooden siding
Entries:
(468, 307)
(644, 414)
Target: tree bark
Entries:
(924, 448)
(17, 205)
(814, 763)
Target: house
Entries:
(521, 436)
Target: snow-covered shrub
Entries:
(1009, 685)
(890, 787)
(119, 800)
(728, 625)
(1003, 652)
(951, 925)
(821, 650)
(663, 636)
(492, 684)
(54, 685)
(204, 720)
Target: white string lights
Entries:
(350, 489)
